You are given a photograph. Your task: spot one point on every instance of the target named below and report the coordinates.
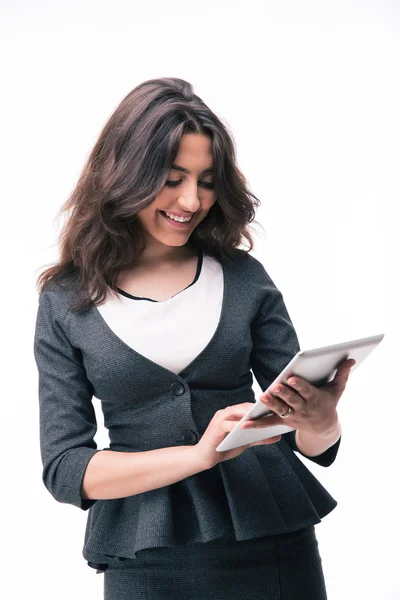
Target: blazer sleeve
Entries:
(275, 342)
(66, 413)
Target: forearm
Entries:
(112, 474)
(313, 445)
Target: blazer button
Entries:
(190, 438)
(177, 388)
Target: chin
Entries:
(170, 241)
(177, 243)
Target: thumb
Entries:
(342, 373)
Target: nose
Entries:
(190, 204)
(189, 200)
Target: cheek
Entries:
(149, 214)
(148, 222)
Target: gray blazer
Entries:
(266, 490)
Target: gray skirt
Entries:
(280, 567)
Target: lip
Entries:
(176, 224)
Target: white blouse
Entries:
(173, 332)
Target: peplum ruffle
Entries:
(267, 490)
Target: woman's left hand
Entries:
(313, 409)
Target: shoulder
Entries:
(256, 286)
(66, 282)
(251, 271)
(251, 263)
(57, 295)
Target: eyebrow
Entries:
(178, 168)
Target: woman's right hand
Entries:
(220, 425)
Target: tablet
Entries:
(318, 366)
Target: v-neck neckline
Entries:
(152, 362)
(200, 261)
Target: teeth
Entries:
(179, 219)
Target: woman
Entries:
(155, 310)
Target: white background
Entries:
(311, 93)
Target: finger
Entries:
(342, 374)
(264, 422)
(286, 395)
(303, 388)
(243, 407)
(227, 426)
(233, 412)
(307, 390)
(228, 418)
(271, 440)
(345, 367)
(276, 404)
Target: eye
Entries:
(209, 186)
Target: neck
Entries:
(161, 253)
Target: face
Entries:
(188, 192)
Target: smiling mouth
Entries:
(176, 221)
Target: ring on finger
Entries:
(287, 413)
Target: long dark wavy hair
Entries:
(124, 173)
